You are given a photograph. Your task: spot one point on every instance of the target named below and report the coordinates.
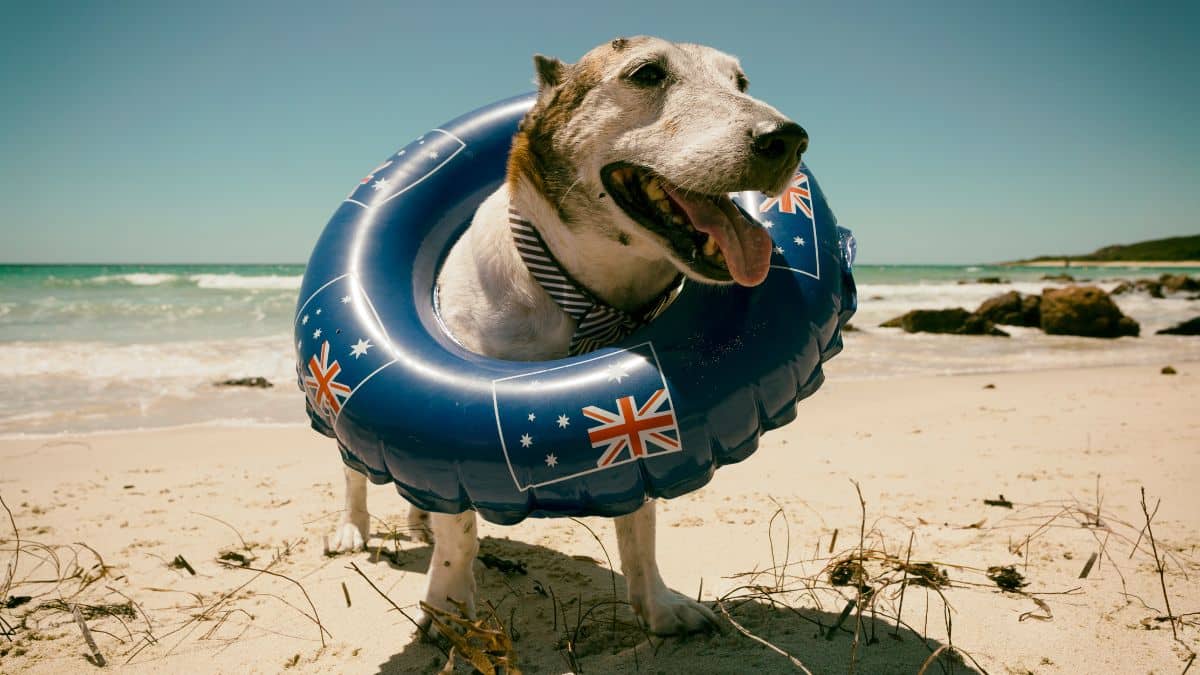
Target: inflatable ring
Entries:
(597, 434)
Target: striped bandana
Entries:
(598, 324)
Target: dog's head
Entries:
(645, 138)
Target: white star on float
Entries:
(779, 250)
(532, 417)
(316, 333)
(318, 312)
(380, 184)
(360, 348)
(551, 460)
(768, 224)
(526, 440)
(299, 345)
(563, 421)
(799, 240)
(433, 155)
(345, 299)
(616, 373)
(304, 321)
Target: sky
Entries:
(941, 132)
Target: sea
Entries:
(96, 348)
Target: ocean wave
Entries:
(196, 361)
(210, 281)
(250, 283)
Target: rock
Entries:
(1012, 309)
(1179, 282)
(957, 321)
(1189, 327)
(1150, 286)
(1167, 370)
(1084, 310)
(983, 280)
(254, 382)
(851, 328)
(1057, 277)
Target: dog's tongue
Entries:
(746, 245)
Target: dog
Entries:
(623, 166)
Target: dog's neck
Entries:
(627, 276)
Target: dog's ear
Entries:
(549, 71)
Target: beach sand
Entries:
(925, 451)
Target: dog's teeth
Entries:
(654, 190)
(710, 246)
(678, 220)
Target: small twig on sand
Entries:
(742, 629)
(181, 562)
(1087, 566)
(11, 574)
(346, 592)
(904, 584)
(931, 658)
(87, 636)
(1158, 563)
(235, 530)
(395, 606)
(315, 618)
(862, 535)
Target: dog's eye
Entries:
(648, 75)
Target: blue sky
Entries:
(942, 132)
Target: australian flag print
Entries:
(622, 413)
(407, 168)
(791, 221)
(336, 354)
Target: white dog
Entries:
(622, 167)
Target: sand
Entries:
(926, 453)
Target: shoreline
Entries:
(925, 450)
(1070, 263)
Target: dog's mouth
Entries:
(707, 233)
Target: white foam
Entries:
(135, 279)
(193, 361)
(239, 282)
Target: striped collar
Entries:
(597, 323)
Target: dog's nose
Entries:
(774, 140)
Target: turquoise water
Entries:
(122, 346)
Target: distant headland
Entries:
(1169, 252)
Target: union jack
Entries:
(323, 387)
(797, 195)
(633, 428)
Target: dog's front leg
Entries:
(663, 610)
(354, 528)
(452, 565)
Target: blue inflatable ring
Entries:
(598, 434)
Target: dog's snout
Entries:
(774, 140)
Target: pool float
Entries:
(653, 415)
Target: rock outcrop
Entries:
(1012, 309)
(1189, 327)
(957, 321)
(1086, 311)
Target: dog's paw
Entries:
(669, 613)
(418, 525)
(350, 535)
